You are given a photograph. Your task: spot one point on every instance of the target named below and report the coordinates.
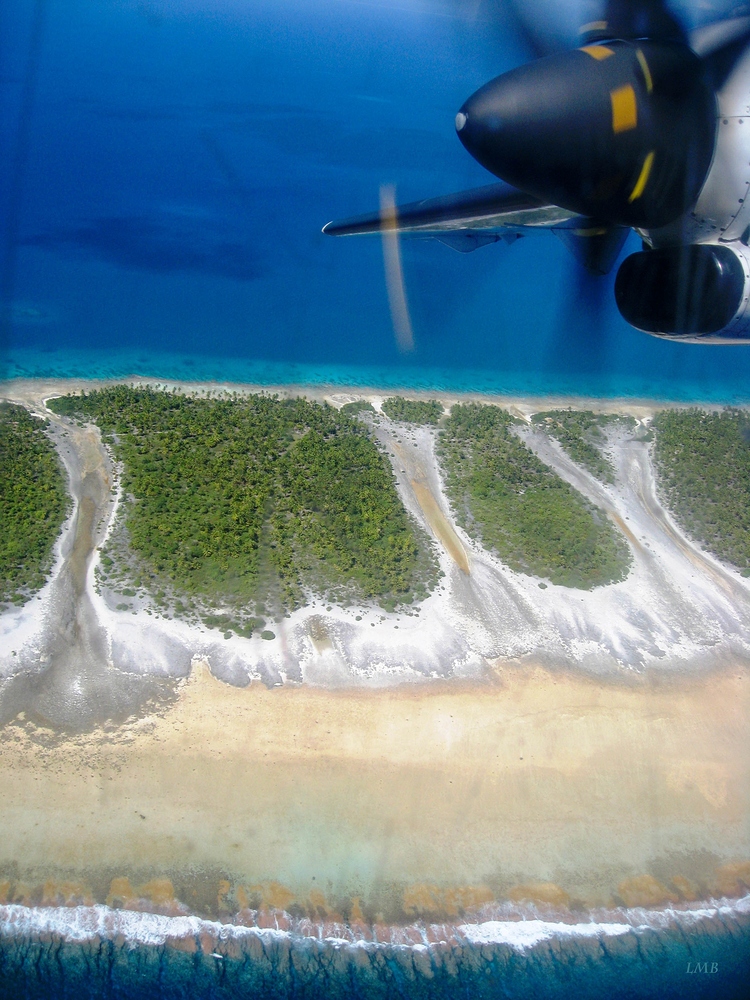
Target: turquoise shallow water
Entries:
(114, 364)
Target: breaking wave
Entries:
(699, 950)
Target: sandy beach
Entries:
(506, 742)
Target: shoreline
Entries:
(519, 927)
(127, 363)
(526, 402)
(620, 955)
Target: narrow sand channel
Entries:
(64, 677)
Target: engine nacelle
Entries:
(698, 293)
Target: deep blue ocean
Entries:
(166, 167)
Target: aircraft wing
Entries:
(463, 221)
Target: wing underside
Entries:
(463, 221)
(472, 219)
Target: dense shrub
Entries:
(33, 503)
(259, 499)
(413, 411)
(703, 464)
(520, 508)
(581, 434)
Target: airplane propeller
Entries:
(616, 134)
(663, 63)
(620, 131)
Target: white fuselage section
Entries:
(722, 211)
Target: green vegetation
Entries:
(580, 432)
(703, 462)
(413, 411)
(358, 406)
(520, 508)
(252, 502)
(33, 503)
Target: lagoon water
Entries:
(166, 167)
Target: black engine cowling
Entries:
(695, 293)
(621, 132)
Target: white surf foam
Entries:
(84, 923)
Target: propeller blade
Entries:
(499, 17)
(582, 340)
(720, 46)
(596, 247)
(636, 19)
(394, 272)
(711, 38)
